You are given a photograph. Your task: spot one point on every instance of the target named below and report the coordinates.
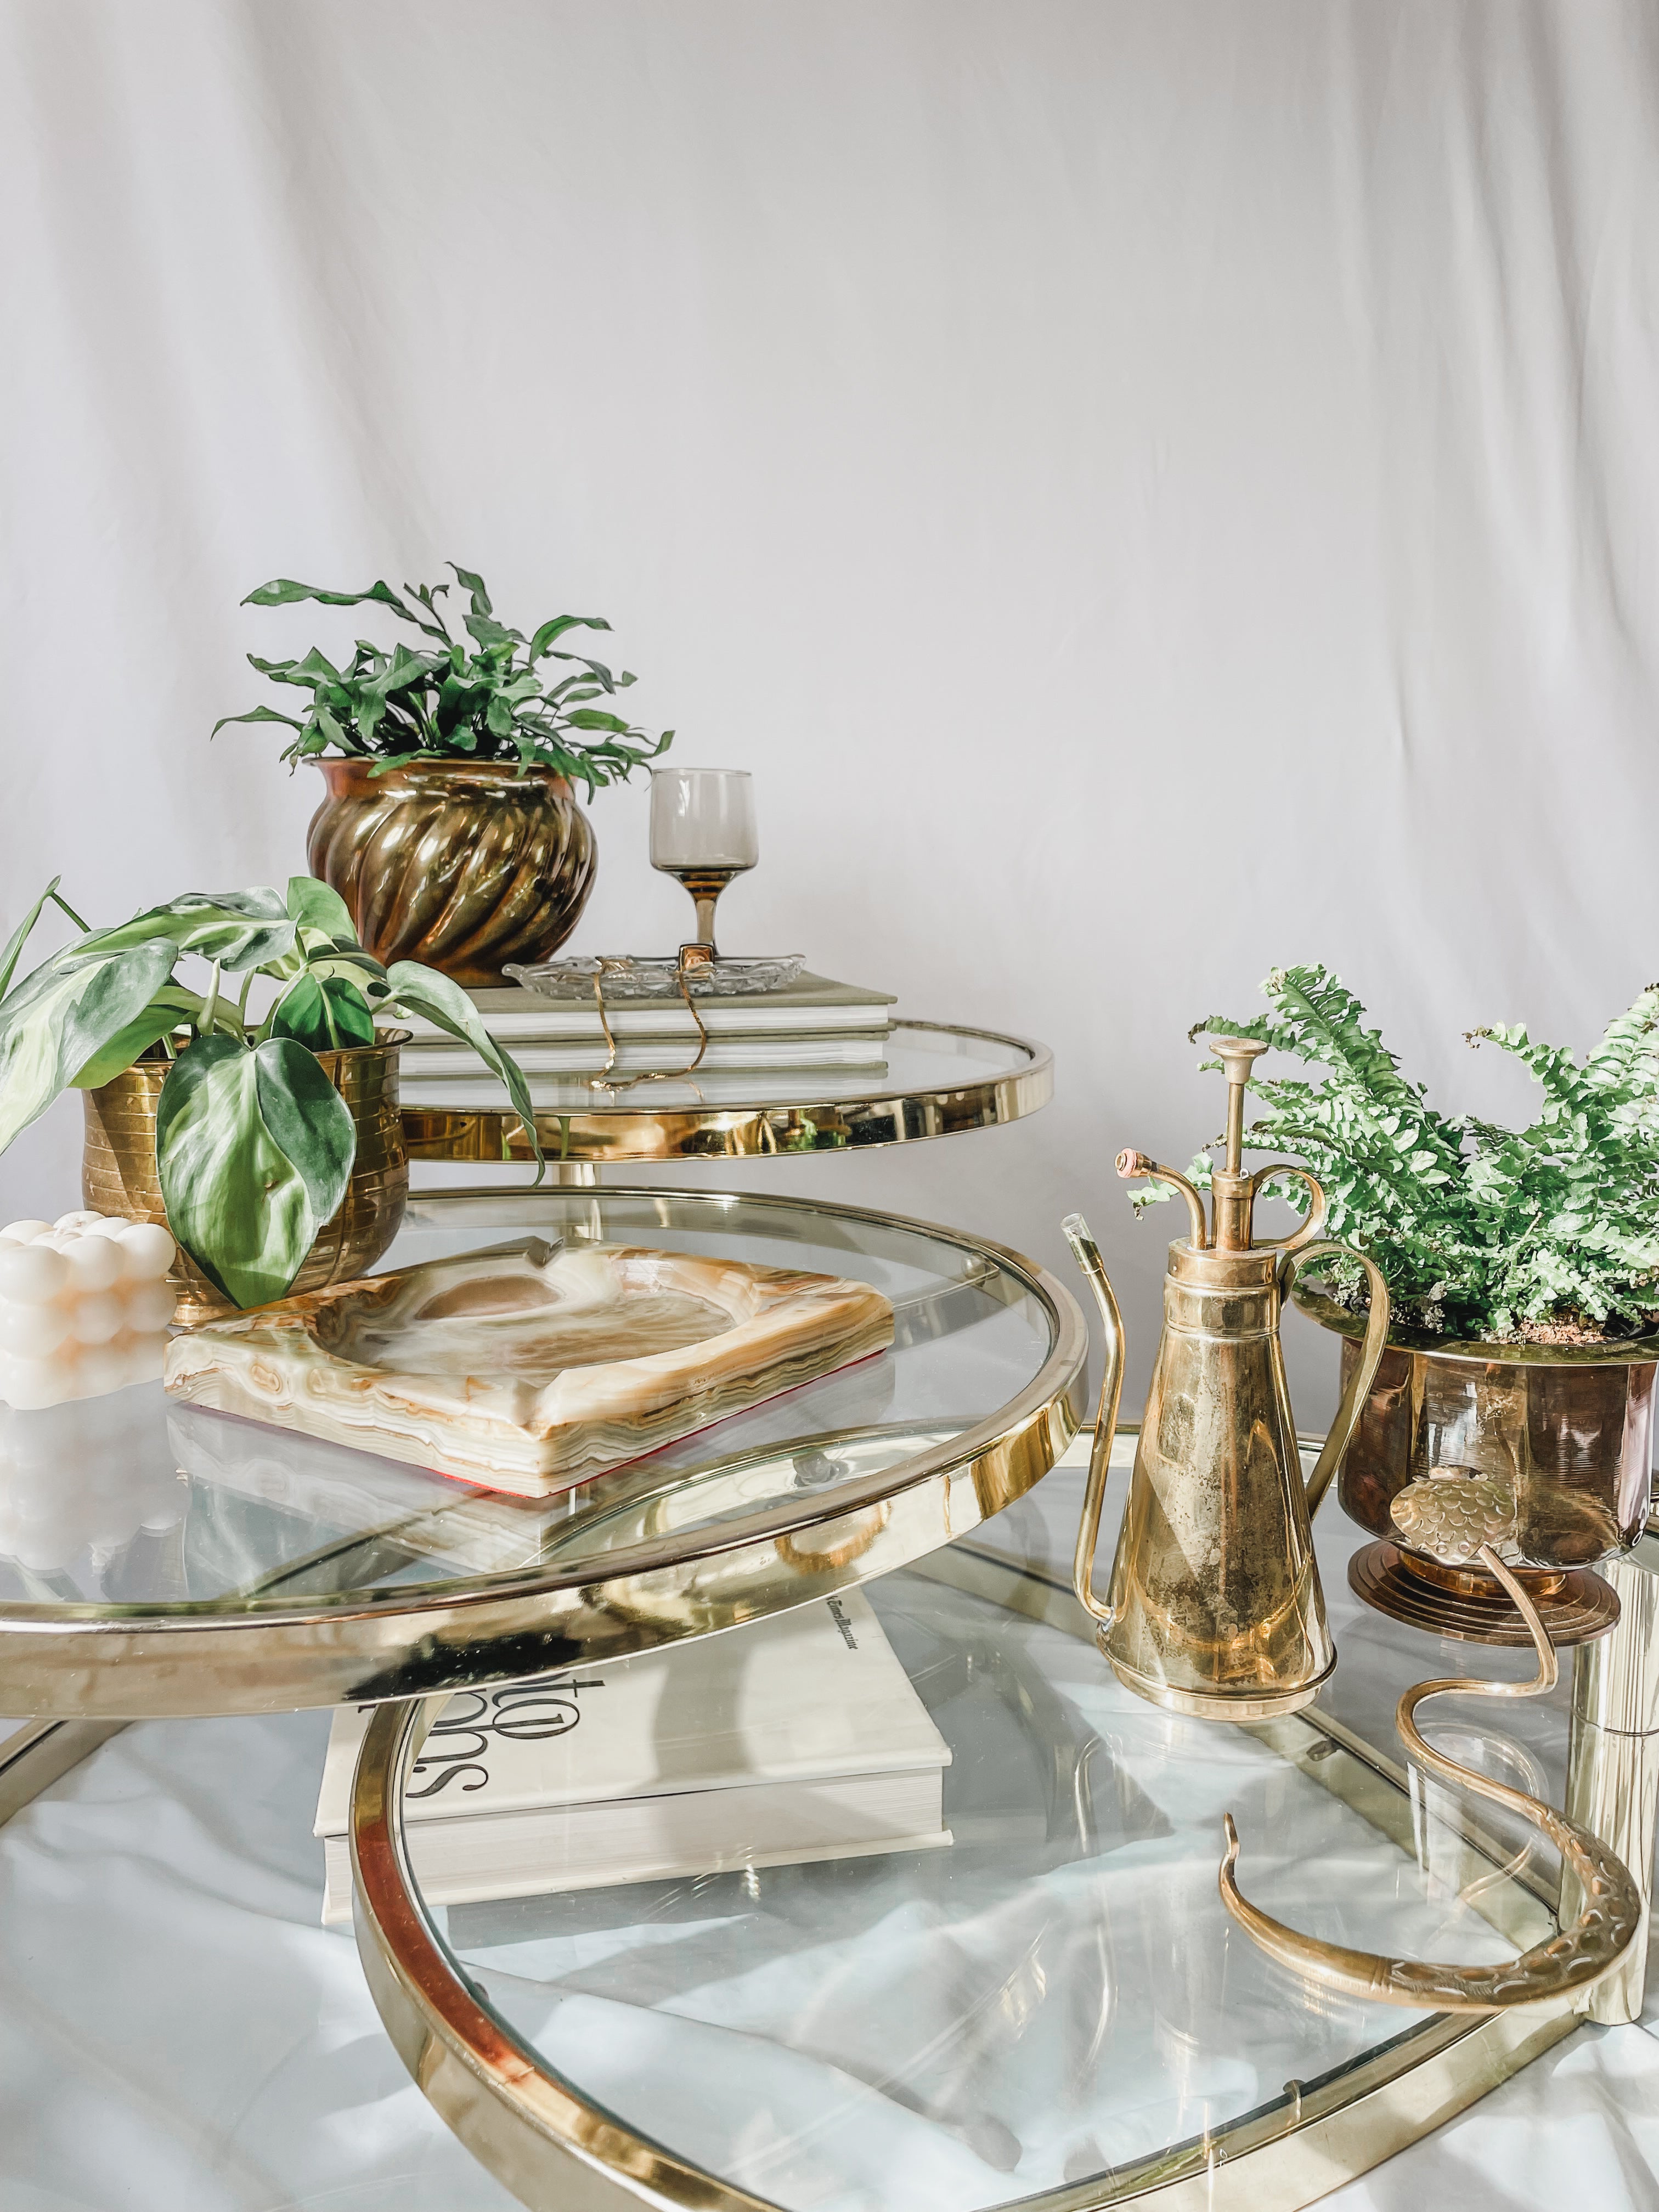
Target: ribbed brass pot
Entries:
(118, 1173)
(1570, 1429)
(1567, 1429)
(463, 865)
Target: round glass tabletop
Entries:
(156, 1558)
(1047, 2006)
(937, 1080)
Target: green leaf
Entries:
(240, 929)
(551, 632)
(316, 673)
(359, 968)
(166, 1012)
(58, 1017)
(255, 1151)
(316, 905)
(420, 990)
(255, 714)
(471, 581)
(594, 718)
(328, 1014)
(172, 1007)
(283, 591)
(20, 937)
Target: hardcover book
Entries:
(811, 1006)
(794, 1739)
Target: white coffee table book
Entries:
(813, 1022)
(798, 1738)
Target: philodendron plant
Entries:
(253, 1143)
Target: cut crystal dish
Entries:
(642, 975)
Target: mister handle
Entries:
(1134, 1167)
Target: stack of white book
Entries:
(812, 1023)
(795, 1739)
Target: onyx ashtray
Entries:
(529, 1367)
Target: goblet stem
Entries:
(704, 903)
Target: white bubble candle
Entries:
(84, 1307)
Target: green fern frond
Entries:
(1479, 1229)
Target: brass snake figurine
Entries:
(1453, 1519)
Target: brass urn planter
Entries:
(463, 865)
(1566, 1430)
(118, 1173)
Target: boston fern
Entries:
(1548, 1233)
(253, 1143)
(494, 701)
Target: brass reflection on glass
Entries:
(1214, 1606)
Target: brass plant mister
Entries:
(1214, 1606)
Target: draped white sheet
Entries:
(1152, 488)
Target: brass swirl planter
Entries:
(118, 1173)
(464, 865)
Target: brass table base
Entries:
(1468, 1606)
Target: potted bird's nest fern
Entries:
(449, 826)
(1523, 1265)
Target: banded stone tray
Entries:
(530, 1367)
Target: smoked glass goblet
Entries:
(702, 833)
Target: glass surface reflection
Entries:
(1057, 1997)
(135, 1500)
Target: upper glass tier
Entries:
(936, 1081)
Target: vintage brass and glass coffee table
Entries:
(1052, 2011)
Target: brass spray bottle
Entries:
(1214, 1606)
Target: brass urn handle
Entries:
(1578, 1957)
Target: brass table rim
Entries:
(737, 1129)
(532, 2128)
(82, 1659)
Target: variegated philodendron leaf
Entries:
(63, 1016)
(418, 990)
(255, 1148)
(238, 929)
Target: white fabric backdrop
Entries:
(1152, 490)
